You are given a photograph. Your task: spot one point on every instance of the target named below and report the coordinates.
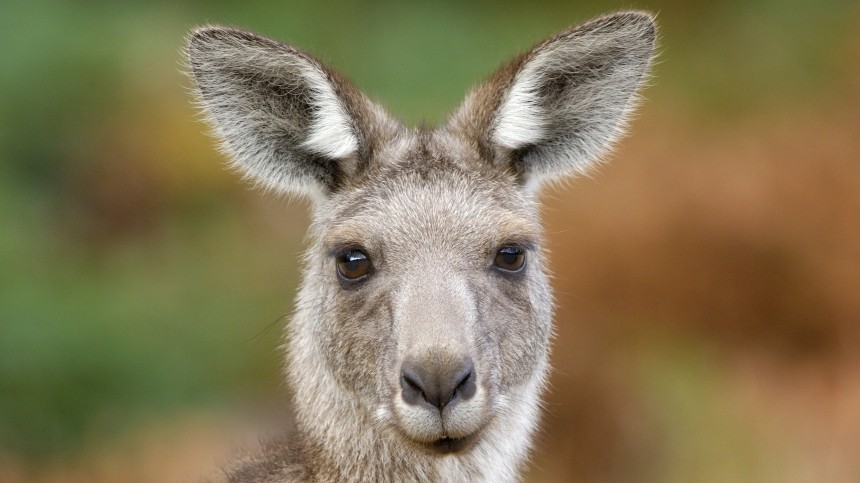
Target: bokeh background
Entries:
(708, 278)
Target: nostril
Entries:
(410, 383)
(466, 386)
(462, 380)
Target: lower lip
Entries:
(449, 445)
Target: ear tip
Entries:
(199, 37)
(632, 16)
(638, 20)
(647, 21)
(212, 35)
(643, 20)
(639, 27)
(637, 15)
(205, 32)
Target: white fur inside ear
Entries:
(331, 132)
(520, 120)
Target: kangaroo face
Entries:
(436, 318)
(423, 319)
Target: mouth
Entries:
(447, 445)
(454, 433)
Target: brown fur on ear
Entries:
(284, 119)
(562, 105)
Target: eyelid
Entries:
(348, 255)
(526, 244)
(343, 248)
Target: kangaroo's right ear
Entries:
(284, 119)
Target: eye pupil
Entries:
(353, 265)
(510, 259)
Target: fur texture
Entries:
(432, 210)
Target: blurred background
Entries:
(708, 278)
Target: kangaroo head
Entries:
(425, 311)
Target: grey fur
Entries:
(431, 208)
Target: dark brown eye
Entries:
(510, 259)
(353, 265)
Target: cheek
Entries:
(520, 331)
(357, 340)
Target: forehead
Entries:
(440, 200)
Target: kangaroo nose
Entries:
(437, 381)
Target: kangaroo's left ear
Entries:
(558, 108)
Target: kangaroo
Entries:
(418, 349)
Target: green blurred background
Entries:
(708, 279)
